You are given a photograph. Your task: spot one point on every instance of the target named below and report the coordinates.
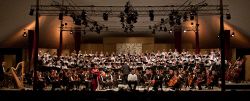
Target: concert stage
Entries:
(123, 95)
(117, 94)
(238, 86)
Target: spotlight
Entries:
(151, 15)
(105, 16)
(233, 34)
(71, 32)
(84, 15)
(228, 16)
(178, 20)
(185, 17)
(24, 34)
(31, 12)
(191, 17)
(60, 16)
(192, 14)
(170, 31)
(185, 31)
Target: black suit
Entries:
(125, 71)
(158, 82)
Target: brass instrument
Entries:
(19, 82)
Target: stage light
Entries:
(185, 31)
(25, 34)
(105, 16)
(151, 15)
(60, 16)
(84, 15)
(233, 34)
(228, 16)
(31, 12)
(192, 14)
(71, 32)
(178, 20)
(185, 17)
(170, 31)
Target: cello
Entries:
(173, 81)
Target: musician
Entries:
(125, 72)
(210, 79)
(40, 81)
(132, 79)
(109, 78)
(201, 80)
(95, 77)
(55, 80)
(148, 77)
(103, 80)
(158, 80)
(2, 71)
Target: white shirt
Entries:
(3, 69)
(132, 77)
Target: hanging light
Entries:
(233, 34)
(228, 16)
(151, 15)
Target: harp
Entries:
(18, 78)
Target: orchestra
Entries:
(169, 69)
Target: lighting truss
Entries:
(52, 10)
(202, 9)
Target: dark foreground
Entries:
(125, 96)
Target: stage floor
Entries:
(230, 86)
(138, 88)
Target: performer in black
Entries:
(158, 80)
